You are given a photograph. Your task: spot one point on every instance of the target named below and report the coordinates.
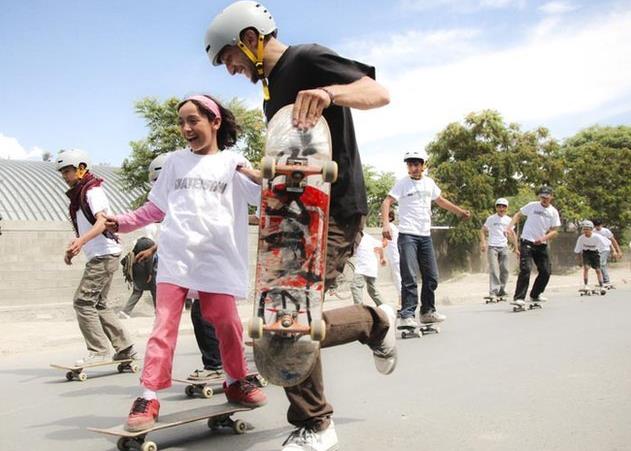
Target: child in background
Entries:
(588, 247)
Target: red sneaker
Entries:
(245, 393)
(143, 414)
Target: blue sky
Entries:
(72, 70)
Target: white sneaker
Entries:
(538, 299)
(586, 287)
(432, 317)
(518, 302)
(91, 359)
(385, 353)
(404, 323)
(305, 439)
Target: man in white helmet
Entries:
(88, 209)
(415, 194)
(497, 247)
(319, 83)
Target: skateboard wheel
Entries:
(148, 446)
(437, 329)
(212, 424)
(190, 391)
(329, 171)
(70, 375)
(268, 167)
(121, 444)
(134, 367)
(120, 367)
(207, 392)
(239, 427)
(318, 330)
(255, 328)
(82, 377)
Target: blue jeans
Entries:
(417, 255)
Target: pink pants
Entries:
(218, 309)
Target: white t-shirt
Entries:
(496, 226)
(392, 250)
(152, 231)
(99, 245)
(415, 204)
(595, 242)
(539, 220)
(604, 231)
(366, 262)
(203, 242)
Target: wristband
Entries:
(331, 96)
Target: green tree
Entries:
(164, 136)
(483, 158)
(378, 184)
(595, 176)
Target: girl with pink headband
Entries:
(201, 197)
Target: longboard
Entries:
(206, 387)
(218, 417)
(287, 325)
(78, 373)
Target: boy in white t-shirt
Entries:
(392, 255)
(368, 255)
(415, 194)
(88, 209)
(542, 222)
(604, 256)
(497, 247)
(589, 246)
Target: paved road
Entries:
(555, 379)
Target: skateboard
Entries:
(494, 299)
(206, 387)
(528, 306)
(589, 291)
(78, 373)
(417, 332)
(287, 325)
(218, 417)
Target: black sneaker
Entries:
(126, 354)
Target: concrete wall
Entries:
(33, 274)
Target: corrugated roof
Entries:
(35, 191)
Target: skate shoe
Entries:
(518, 302)
(143, 414)
(432, 317)
(92, 358)
(245, 393)
(501, 293)
(385, 353)
(404, 323)
(538, 299)
(306, 439)
(203, 373)
(127, 353)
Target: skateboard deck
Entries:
(78, 373)
(287, 326)
(218, 417)
(528, 306)
(417, 332)
(494, 299)
(595, 291)
(206, 387)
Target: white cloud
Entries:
(462, 6)
(557, 7)
(11, 149)
(554, 73)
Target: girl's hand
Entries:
(111, 223)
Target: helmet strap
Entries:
(81, 172)
(257, 61)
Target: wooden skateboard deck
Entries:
(77, 372)
(287, 324)
(206, 387)
(218, 417)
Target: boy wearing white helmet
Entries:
(589, 246)
(415, 194)
(604, 255)
(88, 209)
(542, 222)
(496, 248)
(319, 83)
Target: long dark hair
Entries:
(228, 130)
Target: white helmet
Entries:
(501, 201)
(416, 155)
(156, 166)
(72, 157)
(587, 224)
(226, 27)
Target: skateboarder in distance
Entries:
(88, 209)
(589, 246)
(496, 248)
(604, 255)
(319, 83)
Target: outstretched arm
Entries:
(386, 231)
(455, 209)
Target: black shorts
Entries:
(591, 259)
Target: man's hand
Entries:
(465, 215)
(386, 232)
(143, 255)
(309, 106)
(111, 223)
